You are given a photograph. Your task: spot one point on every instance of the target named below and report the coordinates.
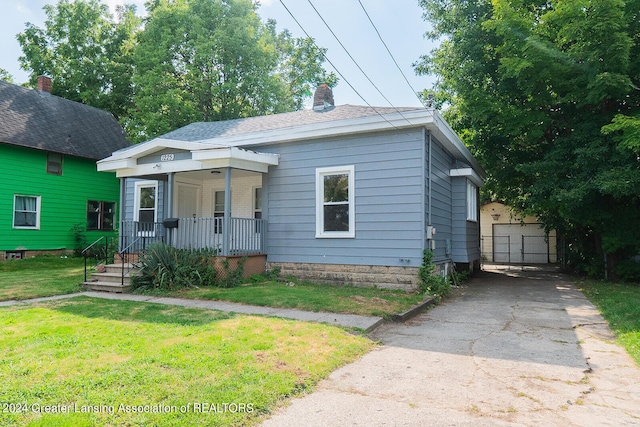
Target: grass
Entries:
(86, 362)
(40, 277)
(49, 275)
(619, 304)
(310, 297)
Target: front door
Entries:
(188, 206)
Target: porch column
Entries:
(226, 222)
(169, 212)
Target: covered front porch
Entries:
(191, 195)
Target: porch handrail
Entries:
(86, 250)
(124, 259)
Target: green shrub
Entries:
(429, 283)
(628, 270)
(167, 268)
(232, 277)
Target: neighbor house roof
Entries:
(36, 119)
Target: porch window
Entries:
(335, 202)
(54, 163)
(146, 205)
(26, 212)
(257, 206)
(218, 210)
(472, 202)
(100, 215)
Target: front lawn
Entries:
(310, 297)
(41, 276)
(619, 304)
(89, 362)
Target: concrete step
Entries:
(107, 286)
(111, 279)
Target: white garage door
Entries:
(515, 243)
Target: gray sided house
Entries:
(337, 194)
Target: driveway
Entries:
(511, 348)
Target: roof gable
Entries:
(36, 119)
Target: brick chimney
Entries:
(323, 98)
(44, 84)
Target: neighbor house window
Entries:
(54, 163)
(218, 210)
(472, 202)
(26, 212)
(146, 206)
(100, 215)
(335, 202)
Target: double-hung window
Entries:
(26, 212)
(257, 207)
(218, 210)
(335, 202)
(472, 202)
(146, 206)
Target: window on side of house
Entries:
(100, 215)
(218, 210)
(472, 202)
(26, 212)
(146, 206)
(54, 163)
(335, 202)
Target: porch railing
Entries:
(247, 236)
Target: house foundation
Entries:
(404, 278)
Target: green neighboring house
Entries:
(48, 151)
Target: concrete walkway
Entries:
(513, 348)
(365, 323)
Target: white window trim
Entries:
(136, 205)
(320, 174)
(13, 213)
(472, 202)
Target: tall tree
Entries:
(5, 76)
(547, 94)
(87, 54)
(204, 60)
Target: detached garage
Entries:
(507, 238)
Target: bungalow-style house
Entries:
(49, 147)
(510, 238)
(335, 194)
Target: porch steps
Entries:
(111, 279)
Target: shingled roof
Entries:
(37, 119)
(208, 130)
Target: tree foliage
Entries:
(5, 76)
(547, 95)
(206, 60)
(186, 61)
(88, 55)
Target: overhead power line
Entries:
(389, 52)
(336, 68)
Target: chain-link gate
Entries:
(517, 250)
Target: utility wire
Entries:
(334, 67)
(352, 59)
(389, 52)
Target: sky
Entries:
(399, 23)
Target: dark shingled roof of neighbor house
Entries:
(207, 130)
(36, 119)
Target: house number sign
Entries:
(167, 157)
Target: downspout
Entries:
(429, 179)
(226, 236)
